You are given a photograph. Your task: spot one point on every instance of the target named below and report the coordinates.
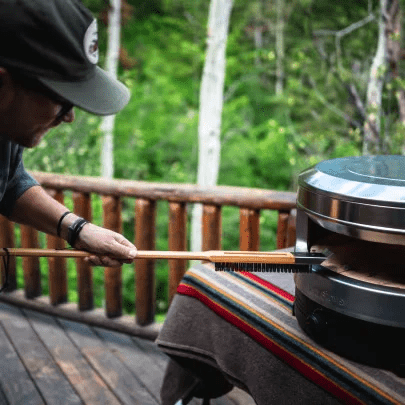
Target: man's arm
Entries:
(39, 210)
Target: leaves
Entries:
(266, 139)
(69, 149)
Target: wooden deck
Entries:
(50, 360)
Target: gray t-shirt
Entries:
(14, 180)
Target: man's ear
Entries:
(7, 88)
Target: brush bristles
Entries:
(263, 267)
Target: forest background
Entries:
(297, 75)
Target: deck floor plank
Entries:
(137, 360)
(86, 381)
(151, 349)
(17, 386)
(47, 376)
(47, 360)
(123, 383)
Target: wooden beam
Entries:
(183, 193)
(249, 230)
(7, 239)
(124, 324)
(177, 242)
(212, 227)
(57, 265)
(113, 275)
(32, 272)
(145, 218)
(82, 208)
(282, 227)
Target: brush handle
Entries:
(211, 255)
(249, 257)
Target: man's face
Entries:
(31, 113)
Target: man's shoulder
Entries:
(10, 151)
(4, 142)
(12, 146)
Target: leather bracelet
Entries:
(74, 230)
(59, 227)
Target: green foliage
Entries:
(157, 131)
(95, 6)
(70, 149)
(267, 139)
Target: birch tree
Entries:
(258, 28)
(396, 52)
(280, 47)
(211, 103)
(372, 126)
(112, 58)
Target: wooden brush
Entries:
(224, 260)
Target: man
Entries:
(48, 64)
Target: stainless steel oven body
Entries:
(362, 198)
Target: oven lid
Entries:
(363, 197)
(367, 179)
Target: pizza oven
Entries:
(354, 303)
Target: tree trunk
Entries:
(395, 51)
(211, 102)
(280, 48)
(258, 26)
(112, 58)
(372, 126)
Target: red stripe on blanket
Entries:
(269, 286)
(302, 367)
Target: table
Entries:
(226, 329)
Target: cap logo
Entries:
(91, 43)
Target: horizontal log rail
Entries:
(147, 196)
(181, 193)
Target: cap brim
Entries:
(100, 95)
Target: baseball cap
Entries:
(56, 42)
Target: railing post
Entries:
(7, 240)
(145, 218)
(211, 227)
(249, 229)
(177, 242)
(57, 265)
(32, 272)
(282, 227)
(292, 228)
(113, 275)
(82, 208)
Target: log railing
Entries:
(147, 195)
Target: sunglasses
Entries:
(37, 86)
(66, 107)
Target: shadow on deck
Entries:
(50, 360)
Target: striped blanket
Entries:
(264, 312)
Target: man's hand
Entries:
(110, 249)
(39, 210)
